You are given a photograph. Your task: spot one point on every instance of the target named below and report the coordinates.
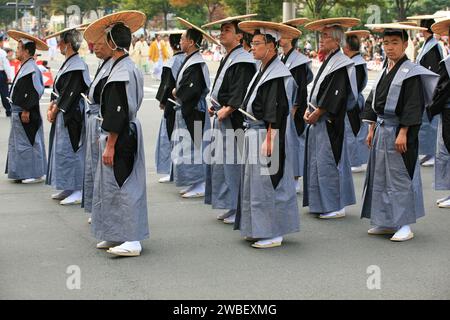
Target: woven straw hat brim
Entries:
(297, 22)
(426, 17)
(318, 25)
(380, 27)
(409, 23)
(190, 25)
(133, 19)
(18, 35)
(441, 27)
(286, 32)
(169, 32)
(358, 33)
(80, 27)
(229, 19)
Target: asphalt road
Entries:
(190, 255)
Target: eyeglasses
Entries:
(256, 43)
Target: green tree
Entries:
(6, 15)
(150, 7)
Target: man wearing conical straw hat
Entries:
(191, 119)
(328, 183)
(163, 150)
(440, 105)
(392, 198)
(300, 67)
(235, 72)
(66, 114)
(355, 131)
(119, 212)
(429, 57)
(267, 209)
(92, 111)
(26, 160)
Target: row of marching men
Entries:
(104, 156)
(263, 99)
(96, 153)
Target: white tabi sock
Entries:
(269, 241)
(403, 232)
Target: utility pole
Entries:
(248, 6)
(288, 10)
(17, 14)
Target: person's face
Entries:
(394, 46)
(158, 37)
(62, 46)
(285, 43)
(101, 49)
(346, 50)
(260, 48)
(185, 43)
(20, 53)
(228, 35)
(326, 41)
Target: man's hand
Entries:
(108, 156)
(162, 106)
(401, 141)
(313, 117)
(266, 149)
(370, 133)
(224, 113)
(51, 115)
(49, 111)
(293, 111)
(174, 92)
(211, 111)
(25, 116)
(306, 116)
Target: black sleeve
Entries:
(235, 84)
(300, 75)
(72, 86)
(25, 95)
(191, 88)
(271, 103)
(431, 59)
(115, 107)
(360, 76)
(334, 97)
(441, 93)
(191, 85)
(166, 86)
(368, 113)
(411, 102)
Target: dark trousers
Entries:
(4, 91)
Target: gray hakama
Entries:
(65, 165)
(296, 142)
(92, 133)
(265, 211)
(391, 198)
(358, 152)
(119, 213)
(328, 182)
(223, 178)
(441, 102)
(26, 160)
(163, 148)
(187, 155)
(428, 130)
